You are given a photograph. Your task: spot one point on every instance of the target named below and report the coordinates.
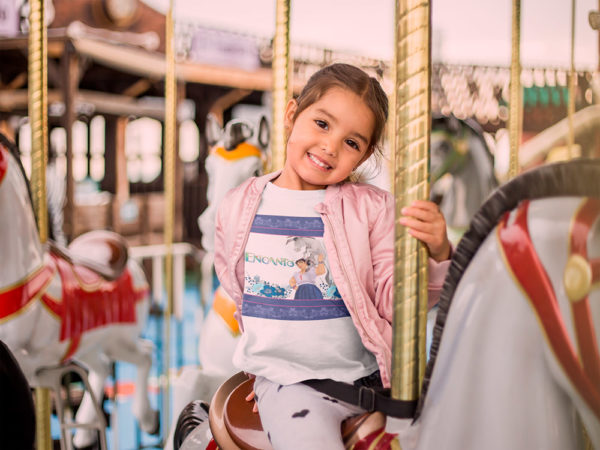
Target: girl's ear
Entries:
(290, 110)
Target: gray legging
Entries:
(298, 417)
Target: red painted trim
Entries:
(17, 297)
(376, 440)
(530, 273)
(584, 326)
(73, 346)
(52, 305)
(595, 264)
(3, 163)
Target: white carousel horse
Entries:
(53, 310)
(462, 171)
(515, 360)
(237, 153)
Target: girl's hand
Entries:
(249, 398)
(426, 222)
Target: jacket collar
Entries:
(259, 185)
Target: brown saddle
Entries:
(235, 427)
(102, 251)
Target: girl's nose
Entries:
(330, 147)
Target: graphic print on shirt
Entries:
(287, 271)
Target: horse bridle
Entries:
(581, 363)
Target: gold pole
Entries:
(412, 106)
(169, 187)
(38, 112)
(38, 119)
(281, 81)
(516, 114)
(572, 84)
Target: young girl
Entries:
(333, 126)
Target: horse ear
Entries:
(236, 131)
(213, 130)
(264, 133)
(454, 125)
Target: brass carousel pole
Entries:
(572, 85)
(411, 132)
(169, 187)
(516, 111)
(38, 119)
(281, 81)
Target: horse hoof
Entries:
(155, 431)
(93, 446)
(193, 415)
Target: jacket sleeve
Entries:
(221, 249)
(381, 240)
(437, 274)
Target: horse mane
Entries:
(573, 178)
(14, 151)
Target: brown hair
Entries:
(355, 80)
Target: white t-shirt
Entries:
(296, 325)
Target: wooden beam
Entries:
(55, 44)
(103, 103)
(6, 129)
(16, 82)
(137, 88)
(178, 223)
(122, 182)
(227, 101)
(70, 72)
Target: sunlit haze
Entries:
(464, 31)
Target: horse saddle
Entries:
(101, 251)
(235, 427)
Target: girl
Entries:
(333, 126)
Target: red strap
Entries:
(595, 264)
(16, 297)
(527, 269)
(3, 163)
(584, 326)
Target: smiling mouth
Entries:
(318, 162)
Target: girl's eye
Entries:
(321, 124)
(352, 144)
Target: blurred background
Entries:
(106, 113)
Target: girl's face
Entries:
(328, 140)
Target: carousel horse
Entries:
(236, 154)
(462, 170)
(515, 359)
(87, 303)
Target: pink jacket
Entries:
(358, 236)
